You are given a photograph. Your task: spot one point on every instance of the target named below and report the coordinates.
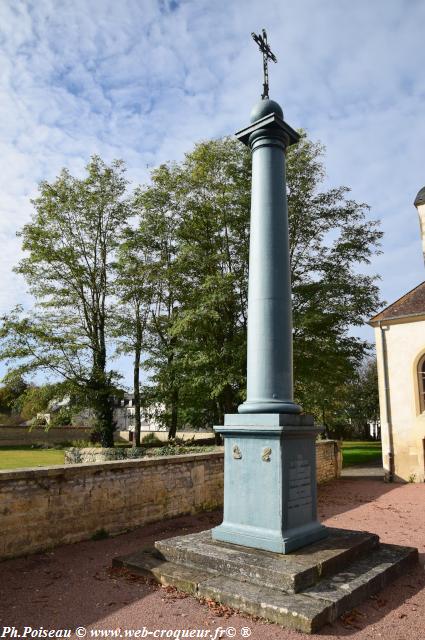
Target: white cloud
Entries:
(144, 79)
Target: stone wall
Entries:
(81, 455)
(41, 508)
(20, 435)
(328, 460)
(163, 435)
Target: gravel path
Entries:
(74, 586)
(365, 471)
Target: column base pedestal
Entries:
(247, 536)
(271, 406)
(269, 482)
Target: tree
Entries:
(192, 230)
(364, 399)
(199, 211)
(71, 243)
(160, 218)
(330, 238)
(134, 293)
(212, 266)
(13, 387)
(35, 399)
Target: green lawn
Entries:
(21, 456)
(16, 457)
(359, 452)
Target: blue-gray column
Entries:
(269, 451)
(269, 370)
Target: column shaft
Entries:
(269, 370)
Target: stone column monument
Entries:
(270, 472)
(270, 556)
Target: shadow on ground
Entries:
(73, 585)
(351, 491)
(398, 599)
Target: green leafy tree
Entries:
(134, 292)
(212, 263)
(330, 238)
(13, 387)
(160, 212)
(70, 244)
(35, 399)
(364, 399)
(193, 223)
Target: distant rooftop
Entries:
(420, 198)
(410, 305)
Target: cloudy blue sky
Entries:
(143, 80)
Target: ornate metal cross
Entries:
(267, 55)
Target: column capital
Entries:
(270, 125)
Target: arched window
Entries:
(421, 382)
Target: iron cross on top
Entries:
(267, 55)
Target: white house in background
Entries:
(400, 351)
(124, 413)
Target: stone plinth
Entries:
(290, 573)
(302, 590)
(269, 482)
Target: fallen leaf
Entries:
(350, 619)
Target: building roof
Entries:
(420, 198)
(410, 305)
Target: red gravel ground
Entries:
(74, 586)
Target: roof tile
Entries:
(411, 304)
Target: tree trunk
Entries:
(104, 417)
(218, 419)
(366, 431)
(174, 400)
(136, 390)
(174, 407)
(136, 379)
(101, 390)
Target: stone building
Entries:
(124, 416)
(400, 350)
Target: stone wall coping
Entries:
(95, 467)
(68, 470)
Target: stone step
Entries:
(290, 573)
(306, 611)
(330, 598)
(149, 563)
(364, 577)
(291, 610)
